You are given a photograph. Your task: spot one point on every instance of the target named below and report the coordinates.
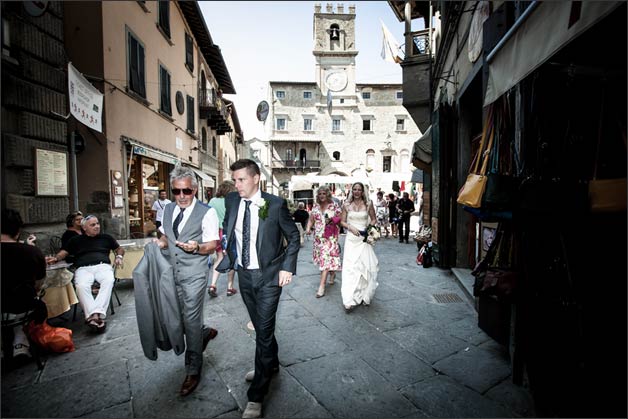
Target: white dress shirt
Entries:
(159, 206)
(254, 208)
(209, 223)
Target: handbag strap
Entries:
(487, 127)
(487, 153)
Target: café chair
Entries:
(10, 321)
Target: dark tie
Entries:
(246, 235)
(177, 221)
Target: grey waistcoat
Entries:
(186, 264)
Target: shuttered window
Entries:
(190, 108)
(136, 70)
(189, 52)
(164, 16)
(164, 88)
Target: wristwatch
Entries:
(198, 247)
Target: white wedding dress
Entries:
(359, 264)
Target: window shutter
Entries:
(133, 70)
(164, 16)
(141, 72)
(165, 91)
(190, 103)
(189, 54)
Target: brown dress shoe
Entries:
(190, 383)
(212, 334)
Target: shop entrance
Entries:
(146, 177)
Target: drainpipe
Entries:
(75, 204)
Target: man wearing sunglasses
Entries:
(262, 245)
(190, 234)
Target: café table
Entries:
(59, 293)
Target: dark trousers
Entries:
(404, 233)
(261, 297)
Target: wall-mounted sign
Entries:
(85, 100)
(116, 189)
(262, 111)
(51, 173)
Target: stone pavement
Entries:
(415, 352)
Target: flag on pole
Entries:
(390, 46)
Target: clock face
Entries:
(336, 81)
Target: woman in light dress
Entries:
(323, 220)
(360, 265)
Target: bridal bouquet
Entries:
(371, 234)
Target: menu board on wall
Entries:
(51, 172)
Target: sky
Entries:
(264, 41)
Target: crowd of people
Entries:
(250, 232)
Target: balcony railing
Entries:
(297, 164)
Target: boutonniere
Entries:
(262, 204)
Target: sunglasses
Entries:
(186, 191)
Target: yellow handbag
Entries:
(471, 192)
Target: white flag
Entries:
(390, 46)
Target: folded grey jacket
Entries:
(157, 304)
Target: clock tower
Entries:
(335, 50)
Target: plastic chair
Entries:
(9, 321)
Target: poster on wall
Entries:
(51, 173)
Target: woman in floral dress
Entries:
(324, 220)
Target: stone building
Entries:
(335, 125)
(34, 102)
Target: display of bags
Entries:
(473, 189)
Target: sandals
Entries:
(212, 291)
(96, 324)
(332, 281)
(320, 294)
(349, 309)
(231, 291)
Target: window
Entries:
(342, 101)
(6, 37)
(335, 124)
(370, 159)
(366, 95)
(399, 95)
(136, 71)
(281, 94)
(387, 163)
(404, 160)
(307, 95)
(214, 146)
(164, 91)
(336, 155)
(366, 125)
(204, 139)
(164, 16)
(281, 124)
(307, 124)
(190, 109)
(189, 52)
(289, 154)
(401, 124)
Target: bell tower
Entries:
(335, 49)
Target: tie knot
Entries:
(247, 202)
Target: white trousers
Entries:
(84, 278)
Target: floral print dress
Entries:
(326, 250)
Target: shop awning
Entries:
(207, 180)
(150, 152)
(422, 151)
(549, 27)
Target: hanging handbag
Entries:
(471, 192)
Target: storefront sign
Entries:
(153, 154)
(51, 171)
(85, 100)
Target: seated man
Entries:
(23, 273)
(91, 258)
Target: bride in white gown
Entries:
(359, 264)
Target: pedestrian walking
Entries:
(262, 244)
(190, 234)
(218, 203)
(405, 206)
(324, 220)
